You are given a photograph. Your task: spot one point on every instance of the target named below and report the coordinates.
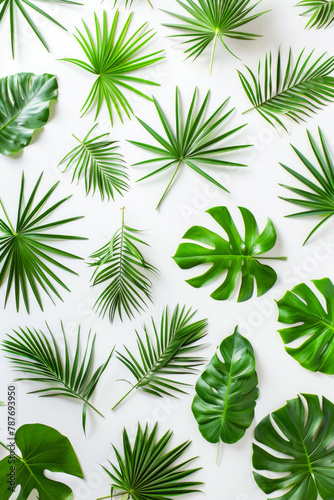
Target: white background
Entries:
(280, 377)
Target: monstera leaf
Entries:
(24, 107)
(226, 392)
(43, 448)
(312, 325)
(235, 255)
(303, 434)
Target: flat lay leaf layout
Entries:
(42, 448)
(293, 447)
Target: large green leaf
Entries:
(42, 448)
(304, 434)
(226, 392)
(321, 13)
(235, 255)
(311, 324)
(24, 107)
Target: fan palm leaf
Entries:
(211, 20)
(21, 7)
(148, 471)
(321, 12)
(97, 160)
(194, 141)
(120, 264)
(113, 59)
(169, 354)
(27, 258)
(38, 356)
(318, 197)
(295, 92)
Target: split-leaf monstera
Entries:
(304, 435)
(235, 255)
(311, 324)
(226, 392)
(24, 107)
(42, 448)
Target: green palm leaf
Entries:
(226, 392)
(321, 11)
(208, 21)
(303, 435)
(148, 471)
(15, 7)
(195, 141)
(38, 356)
(25, 101)
(231, 257)
(169, 354)
(97, 160)
(318, 197)
(120, 264)
(27, 259)
(311, 325)
(113, 59)
(294, 92)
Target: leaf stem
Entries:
(169, 184)
(125, 396)
(218, 451)
(10, 224)
(213, 49)
(150, 4)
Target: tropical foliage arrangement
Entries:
(226, 392)
(98, 161)
(42, 448)
(121, 265)
(24, 108)
(195, 141)
(27, 258)
(148, 470)
(39, 358)
(293, 449)
(172, 354)
(207, 21)
(113, 58)
(235, 255)
(304, 433)
(318, 198)
(296, 91)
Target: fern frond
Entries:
(97, 160)
(170, 353)
(294, 92)
(39, 357)
(121, 265)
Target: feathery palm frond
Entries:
(21, 6)
(296, 92)
(319, 198)
(120, 264)
(170, 354)
(193, 141)
(99, 162)
(33, 353)
(113, 59)
(212, 20)
(148, 471)
(321, 11)
(26, 257)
